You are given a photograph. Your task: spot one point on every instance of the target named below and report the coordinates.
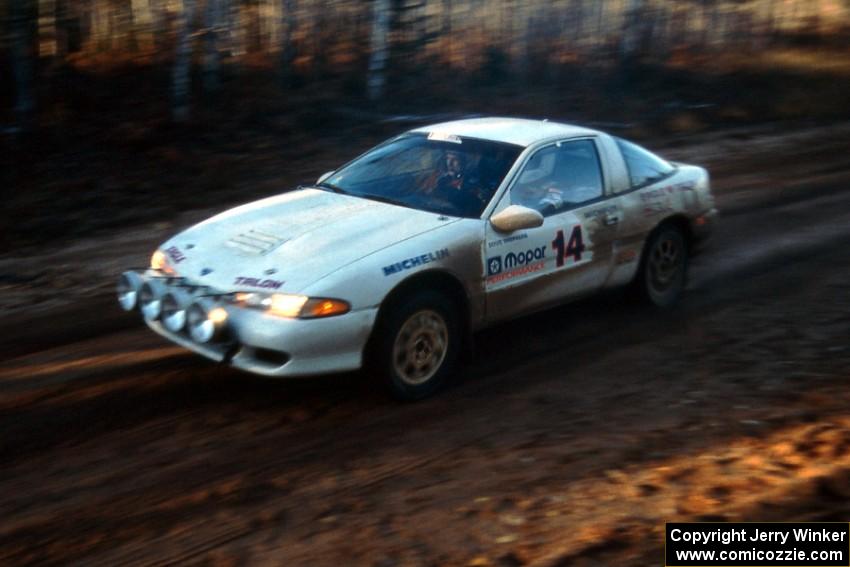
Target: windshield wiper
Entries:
(382, 199)
(332, 187)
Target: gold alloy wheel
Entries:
(665, 261)
(420, 347)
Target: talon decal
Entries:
(256, 282)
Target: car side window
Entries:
(644, 166)
(559, 177)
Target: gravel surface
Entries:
(572, 437)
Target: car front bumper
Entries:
(261, 343)
(702, 228)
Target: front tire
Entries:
(417, 345)
(663, 271)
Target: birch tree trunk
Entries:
(632, 28)
(212, 60)
(601, 29)
(143, 29)
(61, 31)
(523, 14)
(46, 28)
(180, 79)
(289, 25)
(21, 51)
(379, 50)
(446, 31)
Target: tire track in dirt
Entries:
(200, 458)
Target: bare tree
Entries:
(143, 29)
(631, 34)
(524, 16)
(212, 59)
(61, 31)
(21, 51)
(379, 50)
(180, 79)
(46, 28)
(446, 30)
(289, 25)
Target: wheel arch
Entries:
(441, 281)
(680, 221)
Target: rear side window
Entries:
(644, 166)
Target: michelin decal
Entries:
(416, 261)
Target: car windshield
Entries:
(451, 175)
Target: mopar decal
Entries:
(521, 271)
(257, 282)
(494, 265)
(420, 260)
(175, 254)
(511, 260)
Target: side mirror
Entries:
(324, 176)
(516, 217)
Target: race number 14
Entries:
(573, 248)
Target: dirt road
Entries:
(572, 437)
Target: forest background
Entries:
(114, 113)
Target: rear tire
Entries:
(417, 344)
(662, 275)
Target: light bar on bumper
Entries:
(173, 313)
(128, 290)
(150, 299)
(290, 305)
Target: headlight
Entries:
(286, 305)
(292, 306)
(159, 262)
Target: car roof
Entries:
(518, 131)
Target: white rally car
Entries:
(397, 257)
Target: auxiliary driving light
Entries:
(149, 302)
(128, 290)
(173, 314)
(205, 325)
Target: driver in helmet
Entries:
(455, 166)
(455, 184)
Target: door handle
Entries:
(611, 220)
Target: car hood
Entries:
(287, 242)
